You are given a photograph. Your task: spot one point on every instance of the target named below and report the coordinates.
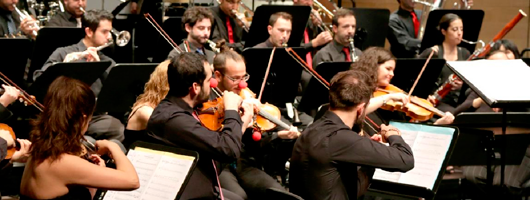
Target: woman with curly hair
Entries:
(55, 168)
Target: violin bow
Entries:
(24, 95)
(266, 74)
(163, 33)
(421, 72)
(325, 83)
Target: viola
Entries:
(418, 109)
(11, 150)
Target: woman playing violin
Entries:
(452, 30)
(55, 169)
(381, 63)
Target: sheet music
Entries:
(429, 145)
(161, 175)
(498, 79)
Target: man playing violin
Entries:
(227, 26)
(175, 122)
(344, 25)
(279, 28)
(97, 25)
(326, 157)
(198, 23)
(246, 178)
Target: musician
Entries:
(452, 29)
(198, 23)
(381, 64)
(404, 26)
(72, 15)
(247, 177)
(155, 90)
(226, 25)
(97, 25)
(10, 95)
(344, 25)
(10, 23)
(175, 122)
(328, 153)
(509, 47)
(279, 28)
(56, 168)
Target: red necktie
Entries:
(308, 58)
(346, 51)
(230, 32)
(416, 23)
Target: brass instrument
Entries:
(322, 9)
(284, 43)
(321, 24)
(122, 37)
(240, 16)
(430, 5)
(213, 46)
(24, 15)
(353, 56)
(479, 42)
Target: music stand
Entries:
(472, 20)
(121, 87)
(510, 77)
(15, 50)
(48, 40)
(372, 26)
(87, 72)
(526, 60)
(258, 30)
(284, 75)
(173, 27)
(407, 70)
(316, 94)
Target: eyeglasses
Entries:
(235, 80)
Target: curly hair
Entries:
(156, 88)
(68, 105)
(370, 60)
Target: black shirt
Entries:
(62, 19)
(208, 53)
(401, 35)
(326, 156)
(173, 123)
(332, 52)
(266, 44)
(220, 30)
(60, 54)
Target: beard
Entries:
(198, 38)
(203, 97)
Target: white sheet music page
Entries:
(496, 79)
(161, 175)
(429, 145)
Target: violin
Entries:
(11, 150)
(418, 109)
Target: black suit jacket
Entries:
(3, 21)
(220, 31)
(403, 43)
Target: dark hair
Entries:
(341, 13)
(68, 104)
(91, 18)
(349, 89)
(196, 13)
(185, 69)
(493, 52)
(274, 17)
(219, 62)
(446, 20)
(508, 45)
(370, 60)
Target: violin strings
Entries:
(266, 74)
(421, 72)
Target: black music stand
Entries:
(316, 93)
(17, 55)
(258, 30)
(48, 40)
(372, 26)
(526, 60)
(87, 72)
(472, 20)
(497, 85)
(121, 87)
(408, 69)
(284, 75)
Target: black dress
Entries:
(74, 193)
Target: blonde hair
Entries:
(156, 88)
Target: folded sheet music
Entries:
(161, 175)
(429, 145)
